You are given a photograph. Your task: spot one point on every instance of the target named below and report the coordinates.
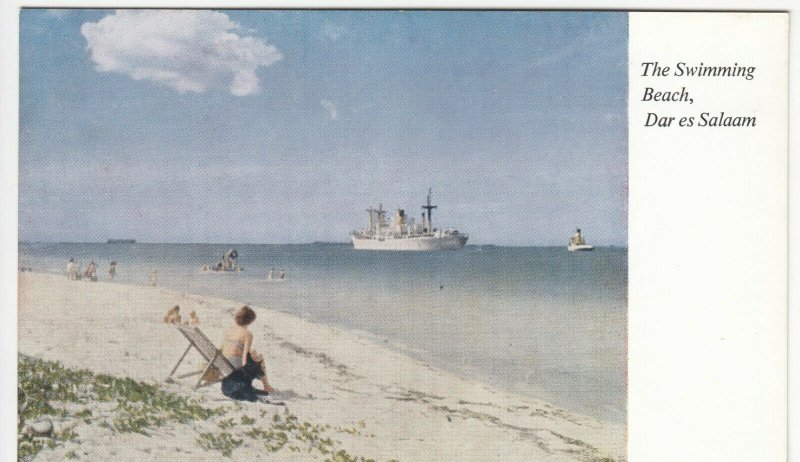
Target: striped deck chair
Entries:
(198, 340)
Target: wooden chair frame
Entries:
(203, 345)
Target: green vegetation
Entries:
(226, 424)
(305, 436)
(46, 387)
(28, 447)
(223, 442)
(343, 456)
(288, 432)
(85, 414)
(43, 384)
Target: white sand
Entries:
(410, 410)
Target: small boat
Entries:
(577, 243)
(228, 264)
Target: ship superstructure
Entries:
(404, 233)
(577, 242)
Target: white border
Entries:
(9, 104)
(9, 36)
(707, 246)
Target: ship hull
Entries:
(580, 248)
(418, 244)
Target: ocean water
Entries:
(539, 321)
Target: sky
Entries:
(237, 126)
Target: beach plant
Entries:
(223, 442)
(136, 419)
(42, 384)
(145, 402)
(45, 386)
(67, 434)
(226, 424)
(273, 440)
(28, 447)
(85, 415)
(288, 432)
(343, 456)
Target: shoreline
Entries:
(466, 373)
(329, 374)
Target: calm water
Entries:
(539, 321)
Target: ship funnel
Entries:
(400, 220)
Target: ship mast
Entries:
(371, 226)
(380, 212)
(428, 208)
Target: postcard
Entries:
(400, 235)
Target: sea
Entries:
(539, 321)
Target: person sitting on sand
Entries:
(91, 271)
(173, 315)
(193, 319)
(248, 363)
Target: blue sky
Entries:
(283, 126)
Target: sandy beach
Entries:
(371, 401)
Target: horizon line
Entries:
(287, 243)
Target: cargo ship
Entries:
(402, 233)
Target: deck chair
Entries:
(198, 340)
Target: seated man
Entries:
(248, 363)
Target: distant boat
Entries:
(577, 243)
(121, 241)
(228, 263)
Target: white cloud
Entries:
(331, 107)
(187, 50)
